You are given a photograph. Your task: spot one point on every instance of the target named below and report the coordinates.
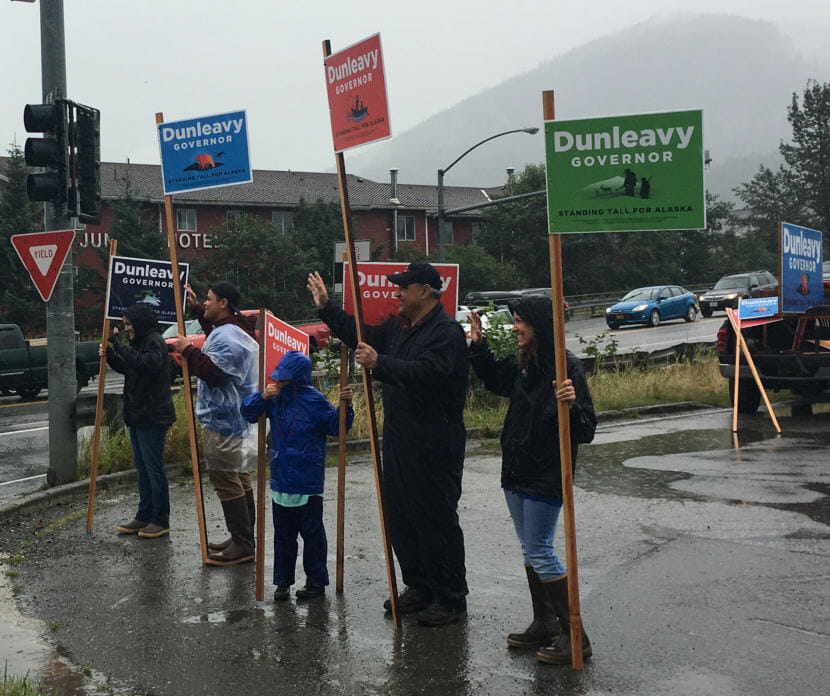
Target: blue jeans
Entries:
(535, 523)
(153, 493)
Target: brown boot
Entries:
(544, 629)
(249, 502)
(241, 548)
(215, 546)
(559, 653)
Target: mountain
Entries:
(741, 72)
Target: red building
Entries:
(378, 209)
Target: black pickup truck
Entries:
(792, 353)
(23, 367)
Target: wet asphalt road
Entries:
(704, 569)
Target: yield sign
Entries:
(43, 254)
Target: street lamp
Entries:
(441, 172)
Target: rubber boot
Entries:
(241, 548)
(249, 501)
(559, 653)
(544, 629)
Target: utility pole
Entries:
(60, 310)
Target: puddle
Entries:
(25, 652)
(788, 472)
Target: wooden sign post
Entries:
(262, 457)
(367, 378)
(740, 344)
(99, 406)
(341, 471)
(188, 398)
(557, 298)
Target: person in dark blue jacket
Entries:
(300, 418)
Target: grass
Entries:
(60, 522)
(14, 685)
(697, 379)
(116, 454)
(686, 380)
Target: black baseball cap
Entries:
(417, 272)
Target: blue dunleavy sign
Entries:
(801, 276)
(204, 152)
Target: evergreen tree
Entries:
(799, 190)
(19, 301)
(269, 267)
(316, 228)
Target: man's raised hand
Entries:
(317, 288)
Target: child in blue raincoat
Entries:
(300, 418)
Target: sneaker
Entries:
(282, 593)
(151, 531)
(437, 614)
(310, 592)
(409, 601)
(131, 527)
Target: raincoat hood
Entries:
(537, 310)
(294, 366)
(143, 319)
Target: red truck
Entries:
(318, 334)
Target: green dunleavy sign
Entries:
(621, 173)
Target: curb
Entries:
(655, 410)
(59, 494)
(56, 496)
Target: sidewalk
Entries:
(680, 595)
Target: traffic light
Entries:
(51, 151)
(87, 164)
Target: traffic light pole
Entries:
(60, 310)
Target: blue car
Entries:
(652, 305)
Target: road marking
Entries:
(28, 430)
(41, 400)
(28, 478)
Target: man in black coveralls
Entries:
(420, 358)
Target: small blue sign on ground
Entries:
(143, 280)
(757, 307)
(204, 152)
(801, 278)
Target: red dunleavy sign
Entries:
(377, 292)
(43, 254)
(356, 86)
(280, 338)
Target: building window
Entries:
(186, 219)
(406, 228)
(476, 231)
(284, 220)
(447, 232)
(235, 218)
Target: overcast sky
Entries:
(191, 58)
